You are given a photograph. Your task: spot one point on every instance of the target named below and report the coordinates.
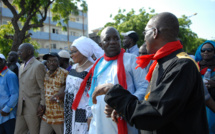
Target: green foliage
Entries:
(126, 21)
(6, 44)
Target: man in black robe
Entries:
(174, 103)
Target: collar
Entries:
(3, 74)
(53, 74)
(26, 63)
(132, 49)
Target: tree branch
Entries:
(22, 3)
(28, 35)
(12, 9)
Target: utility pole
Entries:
(50, 30)
(68, 33)
(83, 22)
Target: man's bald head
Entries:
(104, 31)
(26, 51)
(110, 41)
(167, 24)
(28, 47)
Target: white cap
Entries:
(2, 56)
(127, 33)
(64, 54)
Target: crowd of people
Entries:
(154, 89)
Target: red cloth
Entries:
(5, 67)
(143, 61)
(203, 71)
(122, 125)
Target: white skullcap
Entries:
(2, 56)
(64, 54)
(88, 47)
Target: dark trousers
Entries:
(7, 127)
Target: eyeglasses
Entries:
(51, 61)
(144, 32)
(72, 52)
(207, 49)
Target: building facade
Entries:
(52, 37)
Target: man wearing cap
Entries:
(31, 91)
(64, 60)
(130, 42)
(9, 92)
(54, 84)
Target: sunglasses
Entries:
(207, 49)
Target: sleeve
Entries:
(139, 80)
(13, 87)
(40, 75)
(165, 102)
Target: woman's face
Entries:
(76, 55)
(207, 52)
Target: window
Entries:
(53, 45)
(55, 31)
(73, 33)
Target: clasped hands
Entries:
(101, 90)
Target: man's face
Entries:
(111, 42)
(23, 53)
(148, 32)
(126, 41)
(2, 63)
(11, 57)
(52, 63)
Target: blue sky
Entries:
(203, 24)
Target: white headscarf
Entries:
(88, 47)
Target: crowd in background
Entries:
(57, 96)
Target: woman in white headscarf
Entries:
(83, 50)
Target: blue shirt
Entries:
(9, 92)
(133, 50)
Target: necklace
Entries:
(83, 63)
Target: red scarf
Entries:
(5, 67)
(203, 71)
(143, 61)
(122, 125)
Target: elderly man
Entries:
(114, 67)
(130, 42)
(31, 91)
(54, 83)
(174, 102)
(9, 92)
